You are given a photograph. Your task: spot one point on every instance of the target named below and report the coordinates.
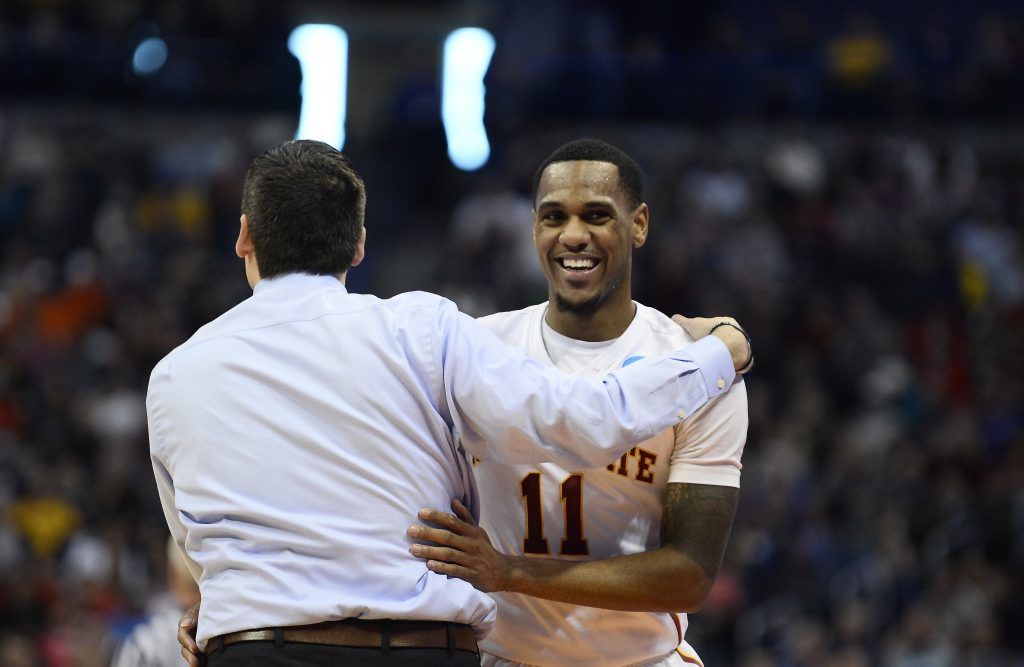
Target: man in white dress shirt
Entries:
(292, 436)
(605, 561)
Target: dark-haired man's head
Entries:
(303, 204)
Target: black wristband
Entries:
(750, 346)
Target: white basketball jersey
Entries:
(550, 512)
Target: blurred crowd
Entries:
(219, 54)
(879, 267)
(881, 273)
(743, 59)
(579, 59)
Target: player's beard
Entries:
(587, 307)
(581, 308)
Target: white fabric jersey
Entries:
(152, 643)
(595, 513)
(294, 438)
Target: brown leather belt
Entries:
(357, 633)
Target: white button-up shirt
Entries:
(294, 438)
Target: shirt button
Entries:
(681, 414)
(721, 383)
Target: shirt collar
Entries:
(304, 280)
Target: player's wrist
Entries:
(517, 574)
(738, 343)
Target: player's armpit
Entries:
(697, 520)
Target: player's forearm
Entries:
(659, 580)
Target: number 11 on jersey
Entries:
(573, 542)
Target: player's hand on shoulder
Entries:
(728, 330)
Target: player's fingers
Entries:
(445, 519)
(185, 636)
(698, 327)
(436, 535)
(440, 554)
(462, 512)
(191, 659)
(187, 626)
(689, 325)
(449, 569)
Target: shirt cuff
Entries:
(715, 362)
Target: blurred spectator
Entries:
(879, 268)
(919, 641)
(154, 643)
(491, 235)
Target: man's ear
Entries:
(243, 246)
(360, 248)
(641, 220)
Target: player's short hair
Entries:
(305, 204)
(630, 177)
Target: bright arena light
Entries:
(467, 54)
(322, 51)
(150, 55)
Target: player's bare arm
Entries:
(696, 520)
(676, 577)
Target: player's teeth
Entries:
(578, 263)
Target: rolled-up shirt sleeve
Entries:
(508, 407)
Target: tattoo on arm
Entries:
(697, 520)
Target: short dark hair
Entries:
(305, 204)
(631, 179)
